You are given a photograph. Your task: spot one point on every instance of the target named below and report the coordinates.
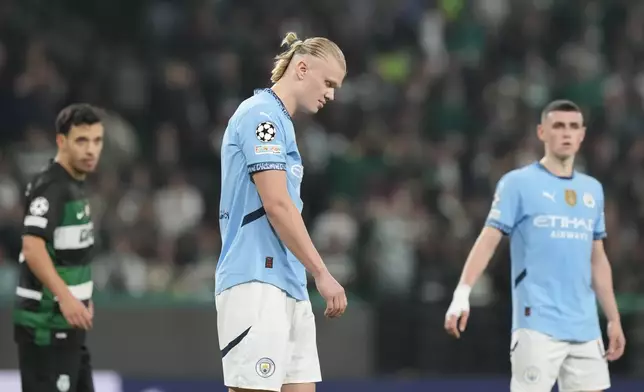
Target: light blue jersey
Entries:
(260, 136)
(552, 223)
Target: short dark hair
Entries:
(76, 114)
(559, 105)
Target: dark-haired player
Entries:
(554, 217)
(53, 299)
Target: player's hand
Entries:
(333, 294)
(90, 307)
(76, 313)
(458, 312)
(616, 341)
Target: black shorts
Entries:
(55, 368)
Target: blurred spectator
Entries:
(335, 233)
(34, 153)
(11, 210)
(178, 207)
(121, 269)
(8, 274)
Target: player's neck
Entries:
(558, 167)
(69, 168)
(288, 99)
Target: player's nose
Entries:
(91, 152)
(329, 96)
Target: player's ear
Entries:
(540, 132)
(60, 140)
(583, 133)
(301, 68)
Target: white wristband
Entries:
(462, 291)
(460, 302)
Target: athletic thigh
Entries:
(254, 325)
(536, 360)
(85, 379)
(304, 364)
(49, 368)
(585, 368)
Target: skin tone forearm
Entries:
(603, 282)
(289, 225)
(40, 264)
(477, 262)
(291, 230)
(480, 256)
(603, 286)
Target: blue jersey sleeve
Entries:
(599, 231)
(262, 141)
(505, 206)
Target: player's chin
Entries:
(86, 166)
(563, 155)
(566, 152)
(313, 110)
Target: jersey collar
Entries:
(279, 101)
(63, 172)
(540, 166)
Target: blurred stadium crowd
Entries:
(442, 97)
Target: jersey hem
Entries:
(301, 297)
(557, 336)
(252, 387)
(594, 387)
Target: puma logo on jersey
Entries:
(550, 196)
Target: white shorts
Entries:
(538, 361)
(267, 338)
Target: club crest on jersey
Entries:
(265, 367)
(266, 131)
(571, 197)
(532, 375)
(589, 200)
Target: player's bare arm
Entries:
(289, 225)
(603, 286)
(39, 262)
(477, 262)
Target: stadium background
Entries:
(441, 98)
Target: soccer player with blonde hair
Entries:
(265, 322)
